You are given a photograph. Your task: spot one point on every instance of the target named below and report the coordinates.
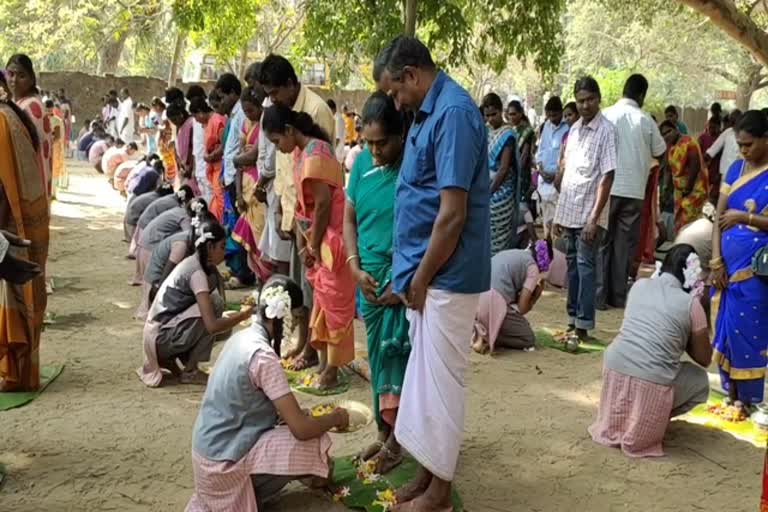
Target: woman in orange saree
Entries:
(23, 212)
(251, 194)
(319, 181)
(690, 178)
(213, 123)
(58, 133)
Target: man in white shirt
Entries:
(725, 143)
(340, 130)
(638, 141)
(126, 127)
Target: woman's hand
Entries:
(730, 218)
(309, 257)
(341, 418)
(260, 194)
(719, 278)
(241, 206)
(368, 286)
(387, 298)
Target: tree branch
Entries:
(723, 73)
(761, 85)
(735, 23)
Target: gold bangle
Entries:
(749, 222)
(715, 261)
(351, 258)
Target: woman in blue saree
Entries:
(368, 232)
(504, 169)
(741, 297)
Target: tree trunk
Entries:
(747, 86)
(736, 24)
(178, 50)
(110, 53)
(410, 17)
(243, 61)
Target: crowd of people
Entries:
(419, 215)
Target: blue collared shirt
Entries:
(548, 154)
(232, 147)
(447, 147)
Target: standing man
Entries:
(282, 86)
(340, 130)
(581, 215)
(670, 114)
(229, 89)
(638, 142)
(441, 262)
(548, 161)
(126, 123)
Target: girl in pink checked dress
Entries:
(241, 457)
(644, 382)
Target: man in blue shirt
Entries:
(441, 262)
(548, 160)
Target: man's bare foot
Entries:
(329, 378)
(194, 377)
(414, 488)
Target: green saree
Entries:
(372, 192)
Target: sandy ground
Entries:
(97, 439)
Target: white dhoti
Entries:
(430, 422)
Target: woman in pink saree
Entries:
(251, 194)
(319, 181)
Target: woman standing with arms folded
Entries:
(741, 299)
(319, 181)
(368, 231)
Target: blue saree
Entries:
(740, 339)
(504, 203)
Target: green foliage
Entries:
(226, 25)
(458, 31)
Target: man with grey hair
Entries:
(441, 262)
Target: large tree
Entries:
(487, 31)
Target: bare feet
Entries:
(172, 367)
(303, 362)
(414, 488)
(195, 377)
(371, 451)
(329, 378)
(387, 460)
(437, 498)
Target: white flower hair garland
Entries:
(277, 301)
(204, 237)
(195, 222)
(198, 207)
(182, 194)
(691, 274)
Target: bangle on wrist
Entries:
(352, 257)
(749, 220)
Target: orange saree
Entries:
(330, 277)
(24, 212)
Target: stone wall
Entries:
(86, 91)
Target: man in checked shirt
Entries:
(581, 217)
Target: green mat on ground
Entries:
(546, 338)
(296, 380)
(19, 398)
(362, 496)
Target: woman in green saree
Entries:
(368, 230)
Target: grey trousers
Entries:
(299, 276)
(617, 251)
(188, 340)
(515, 332)
(691, 388)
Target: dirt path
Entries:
(97, 439)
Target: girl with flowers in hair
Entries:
(516, 285)
(241, 457)
(187, 314)
(644, 381)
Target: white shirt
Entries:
(341, 136)
(201, 166)
(726, 143)
(125, 111)
(638, 141)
